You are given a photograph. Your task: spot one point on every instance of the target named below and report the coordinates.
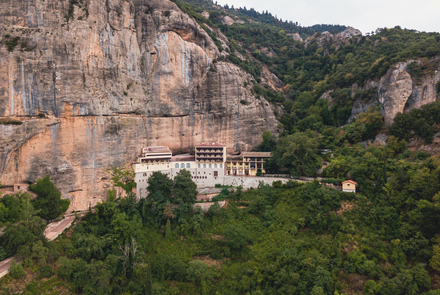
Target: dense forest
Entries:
(293, 238)
(297, 238)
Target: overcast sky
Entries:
(365, 15)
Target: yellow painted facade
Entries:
(247, 164)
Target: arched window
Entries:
(182, 165)
(198, 165)
(187, 165)
(177, 165)
(221, 165)
(204, 165)
(215, 165)
(210, 166)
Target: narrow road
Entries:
(51, 232)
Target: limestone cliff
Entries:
(398, 91)
(112, 76)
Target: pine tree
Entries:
(168, 230)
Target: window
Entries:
(182, 165)
(221, 165)
(215, 173)
(198, 165)
(176, 166)
(204, 165)
(210, 166)
(215, 165)
(187, 165)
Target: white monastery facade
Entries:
(207, 165)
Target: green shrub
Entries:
(277, 184)
(12, 43)
(46, 271)
(16, 270)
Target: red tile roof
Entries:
(350, 181)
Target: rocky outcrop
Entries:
(350, 32)
(394, 90)
(227, 20)
(296, 37)
(398, 91)
(205, 14)
(113, 76)
(335, 40)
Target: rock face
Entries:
(350, 32)
(336, 40)
(398, 91)
(296, 37)
(394, 90)
(228, 20)
(113, 76)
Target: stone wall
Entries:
(248, 182)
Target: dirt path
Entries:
(5, 265)
(51, 232)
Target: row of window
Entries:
(182, 165)
(199, 177)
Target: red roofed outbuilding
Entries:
(349, 186)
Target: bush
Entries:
(46, 271)
(277, 184)
(237, 236)
(16, 270)
(421, 155)
(48, 199)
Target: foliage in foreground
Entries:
(294, 239)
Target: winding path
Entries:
(52, 231)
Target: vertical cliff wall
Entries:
(112, 76)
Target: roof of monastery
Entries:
(256, 154)
(156, 149)
(210, 144)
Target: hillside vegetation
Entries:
(286, 239)
(296, 238)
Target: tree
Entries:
(131, 258)
(198, 271)
(269, 142)
(16, 270)
(184, 189)
(159, 185)
(122, 177)
(237, 236)
(27, 211)
(48, 201)
(298, 153)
